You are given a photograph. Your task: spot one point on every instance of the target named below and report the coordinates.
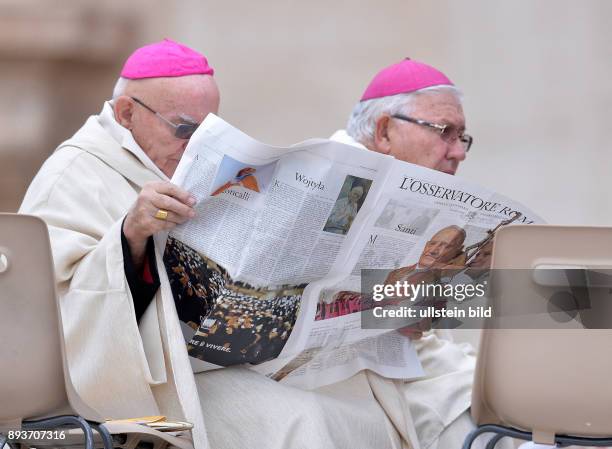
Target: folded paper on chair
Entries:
(160, 423)
(281, 236)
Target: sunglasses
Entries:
(181, 131)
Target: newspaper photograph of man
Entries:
(238, 179)
(235, 322)
(443, 253)
(351, 198)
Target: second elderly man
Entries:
(413, 112)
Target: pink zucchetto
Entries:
(404, 77)
(164, 59)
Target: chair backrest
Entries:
(550, 376)
(33, 383)
(31, 373)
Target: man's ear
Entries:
(382, 143)
(123, 107)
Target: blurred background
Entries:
(535, 76)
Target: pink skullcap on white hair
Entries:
(404, 77)
(165, 59)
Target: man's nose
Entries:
(456, 151)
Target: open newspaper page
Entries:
(270, 222)
(428, 230)
(289, 237)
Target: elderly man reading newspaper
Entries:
(414, 112)
(103, 193)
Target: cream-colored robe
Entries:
(83, 192)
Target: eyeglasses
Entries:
(448, 133)
(181, 131)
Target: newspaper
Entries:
(285, 233)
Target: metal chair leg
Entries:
(469, 439)
(107, 439)
(62, 421)
(500, 432)
(493, 441)
(580, 441)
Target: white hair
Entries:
(119, 88)
(361, 125)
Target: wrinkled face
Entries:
(186, 99)
(422, 145)
(443, 246)
(355, 194)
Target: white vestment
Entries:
(83, 192)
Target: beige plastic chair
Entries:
(544, 370)
(35, 394)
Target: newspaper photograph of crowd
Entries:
(245, 327)
(233, 322)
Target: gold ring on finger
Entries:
(161, 214)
